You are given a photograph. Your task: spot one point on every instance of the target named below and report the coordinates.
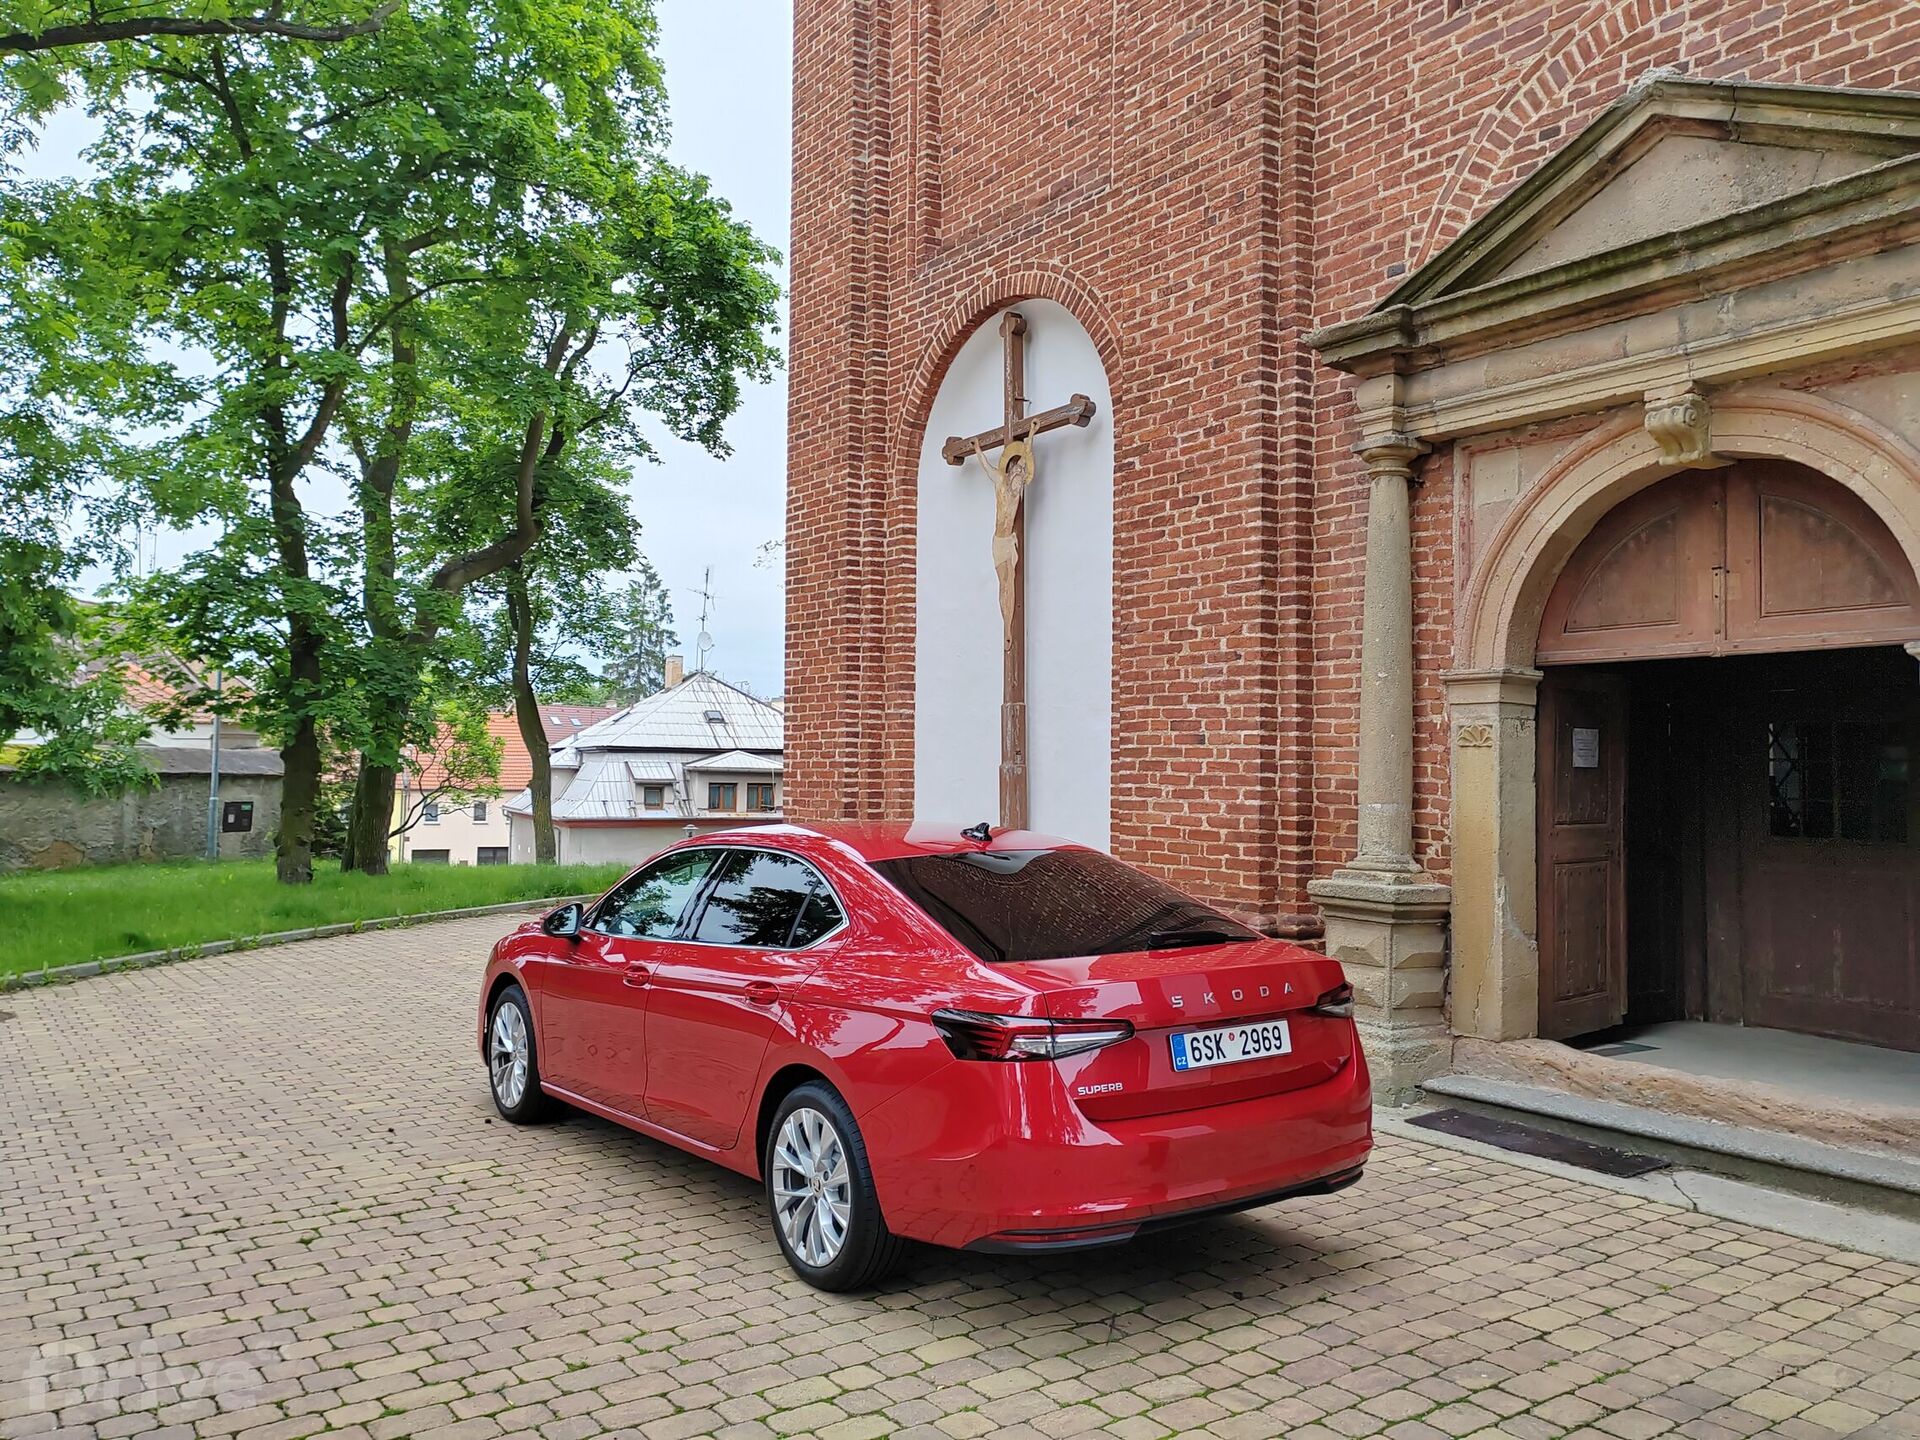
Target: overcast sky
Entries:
(730, 84)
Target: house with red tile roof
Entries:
(456, 825)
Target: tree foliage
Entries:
(557, 603)
(635, 638)
(416, 266)
(55, 519)
(85, 731)
(31, 26)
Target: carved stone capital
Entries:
(1391, 454)
(1511, 687)
(1681, 424)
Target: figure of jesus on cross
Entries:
(1011, 476)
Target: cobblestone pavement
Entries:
(265, 1195)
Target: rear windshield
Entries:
(1013, 905)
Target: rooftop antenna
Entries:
(703, 642)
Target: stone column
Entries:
(1386, 919)
(1495, 962)
(1386, 663)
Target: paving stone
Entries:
(265, 1195)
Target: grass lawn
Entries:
(62, 917)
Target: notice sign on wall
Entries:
(1586, 749)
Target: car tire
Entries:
(513, 1060)
(815, 1153)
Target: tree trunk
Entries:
(370, 816)
(379, 474)
(391, 702)
(286, 459)
(370, 826)
(300, 760)
(526, 709)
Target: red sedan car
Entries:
(995, 1041)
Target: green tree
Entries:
(57, 518)
(222, 235)
(554, 603)
(86, 733)
(639, 633)
(321, 256)
(641, 298)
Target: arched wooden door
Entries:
(1761, 558)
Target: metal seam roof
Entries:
(678, 719)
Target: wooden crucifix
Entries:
(1011, 476)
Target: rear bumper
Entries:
(1024, 1242)
(1004, 1161)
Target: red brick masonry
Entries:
(1202, 182)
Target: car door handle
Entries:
(762, 992)
(636, 976)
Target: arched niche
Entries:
(1068, 561)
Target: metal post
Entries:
(213, 777)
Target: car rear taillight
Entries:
(1337, 1002)
(971, 1035)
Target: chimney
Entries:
(676, 670)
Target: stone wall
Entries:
(48, 826)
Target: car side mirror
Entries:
(566, 921)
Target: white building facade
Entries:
(699, 756)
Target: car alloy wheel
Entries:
(812, 1187)
(820, 1193)
(513, 1060)
(509, 1055)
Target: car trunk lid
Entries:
(1164, 993)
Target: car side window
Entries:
(768, 900)
(648, 904)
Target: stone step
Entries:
(1874, 1179)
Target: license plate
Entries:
(1230, 1044)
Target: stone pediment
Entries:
(1679, 181)
(1697, 233)
(1671, 156)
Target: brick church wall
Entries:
(1201, 183)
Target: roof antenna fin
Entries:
(980, 834)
